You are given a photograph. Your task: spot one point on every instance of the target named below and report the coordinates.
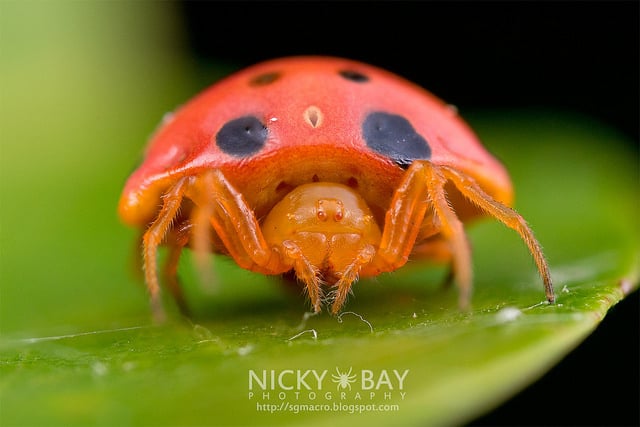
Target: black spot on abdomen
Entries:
(354, 76)
(242, 137)
(394, 136)
(264, 79)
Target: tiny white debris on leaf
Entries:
(414, 315)
(358, 316)
(203, 335)
(243, 351)
(545, 302)
(312, 331)
(565, 289)
(80, 334)
(508, 314)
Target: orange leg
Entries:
(305, 272)
(177, 238)
(423, 186)
(152, 238)
(349, 276)
(217, 204)
(453, 231)
(235, 223)
(507, 216)
(170, 275)
(403, 221)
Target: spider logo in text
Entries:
(343, 379)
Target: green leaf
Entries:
(78, 347)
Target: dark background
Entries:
(581, 56)
(577, 56)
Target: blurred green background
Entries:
(83, 85)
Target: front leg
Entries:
(234, 222)
(306, 272)
(423, 187)
(349, 275)
(155, 234)
(217, 205)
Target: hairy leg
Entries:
(235, 223)
(152, 238)
(507, 216)
(423, 188)
(350, 275)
